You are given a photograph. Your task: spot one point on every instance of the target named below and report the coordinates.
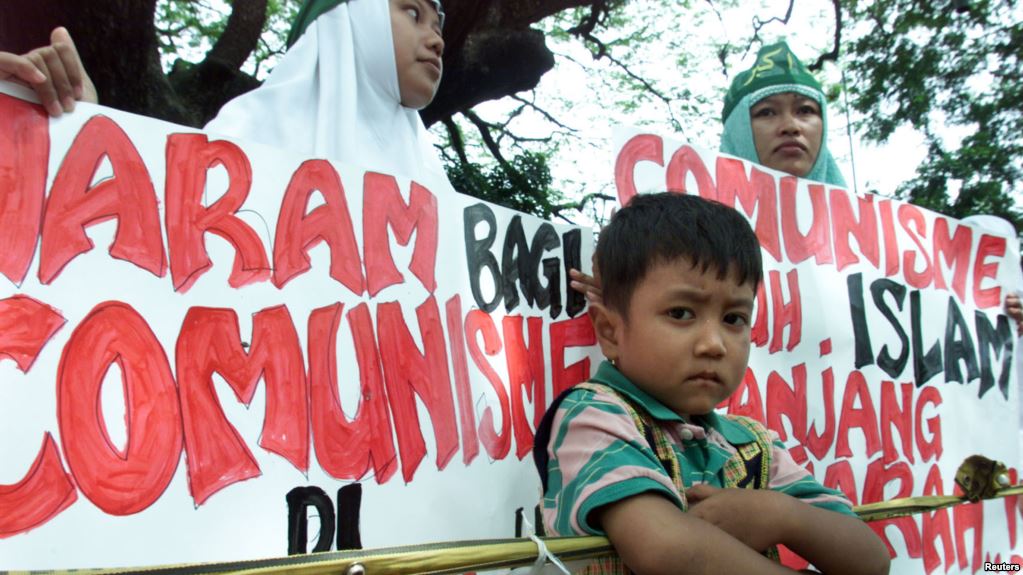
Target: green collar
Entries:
(607, 374)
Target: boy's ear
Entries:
(607, 324)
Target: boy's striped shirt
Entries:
(598, 456)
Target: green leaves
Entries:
(186, 29)
(946, 71)
(527, 191)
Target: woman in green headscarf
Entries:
(775, 115)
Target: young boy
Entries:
(638, 453)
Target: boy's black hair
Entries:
(654, 228)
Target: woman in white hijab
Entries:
(348, 89)
(338, 92)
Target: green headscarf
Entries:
(777, 71)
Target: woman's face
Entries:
(787, 131)
(418, 47)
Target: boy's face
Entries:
(687, 336)
(418, 46)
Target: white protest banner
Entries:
(881, 351)
(206, 340)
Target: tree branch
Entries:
(585, 28)
(504, 131)
(579, 205)
(495, 149)
(488, 139)
(758, 24)
(171, 30)
(542, 112)
(503, 126)
(603, 53)
(455, 135)
(520, 139)
(241, 35)
(833, 54)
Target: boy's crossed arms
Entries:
(722, 531)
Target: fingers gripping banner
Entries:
(881, 353)
(206, 340)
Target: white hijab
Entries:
(335, 95)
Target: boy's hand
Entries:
(653, 537)
(55, 72)
(834, 543)
(753, 516)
